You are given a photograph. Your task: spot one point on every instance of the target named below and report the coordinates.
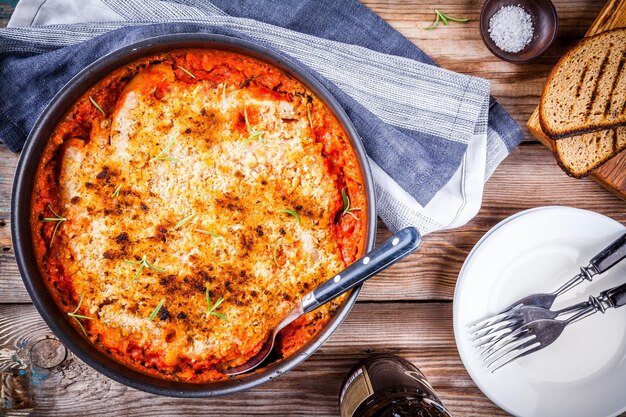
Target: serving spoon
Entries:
(393, 249)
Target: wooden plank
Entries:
(431, 273)
(6, 9)
(421, 333)
(459, 47)
(611, 174)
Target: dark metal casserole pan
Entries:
(21, 205)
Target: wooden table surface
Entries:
(406, 310)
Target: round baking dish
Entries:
(21, 203)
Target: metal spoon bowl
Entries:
(400, 245)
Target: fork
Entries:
(536, 335)
(602, 262)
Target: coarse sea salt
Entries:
(511, 28)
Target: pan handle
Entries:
(398, 246)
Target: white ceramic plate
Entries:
(583, 373)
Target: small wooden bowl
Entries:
(545, 26)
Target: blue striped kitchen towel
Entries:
(433, 136)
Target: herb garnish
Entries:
(116, 193)
(183, 221)
(308, 112)
(211, 310)
(206, 232)
(79, 317)
(246, 82)
(440, 16)
(253, 132)
(162, 156)
(143, 264)
(186, 71)
(58, 219)
(156, 310)
(224, 92)
(278, 242)
(346, 204)
(96, 105)
(292, 212)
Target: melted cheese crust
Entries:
(179, 192)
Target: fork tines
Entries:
(508, 348)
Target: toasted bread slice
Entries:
(586, 90)
(580, 155)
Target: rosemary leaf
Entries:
(141, 267)
(456, 19)
(156, 310)
(186, 71)
(96, 105)
(116, 193)
(308, 112)
(347, 209)
(58, 219)
(345, 199)
(183, 221)
(154, 268)
(80, 325)
(143, 263)
(292, 212)
(221, 316)
(206, 232)
(163, 154)
(278, 242)
(79, 317)
(254, 134)
(444, 18)
(80, 302)
(211, 309)
(55, 213)
(217, 303)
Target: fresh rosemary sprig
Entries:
(254, 134)
(162, 156)
(206, 232)
(210, 310)
(278, 242)
(292, 212)
(79, 317)
(143, 264)
(346, 205)
(444, 18)
(116, 193)
(186, 71)
(58, 219)
(183, 221)
(156, 310)
(96, 105)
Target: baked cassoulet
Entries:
(186, 202)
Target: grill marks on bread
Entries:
(583, 105)
(580, 155)
(586, 90)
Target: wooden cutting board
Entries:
(611, 175)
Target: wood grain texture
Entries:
(459, 47)
(421, 333)
(405, 310)
(612, 174)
